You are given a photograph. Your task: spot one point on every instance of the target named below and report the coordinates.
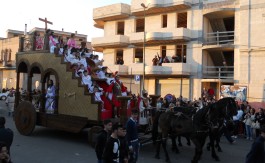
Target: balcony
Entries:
(224, 73)
(110, 41)
(167, 69)
(122, 69)
(159, 6)
(219, 4)
(153, 38)
(219, 39)
(112, 12)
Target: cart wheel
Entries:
(25, 118)
(92, 135)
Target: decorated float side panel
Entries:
(71, 97)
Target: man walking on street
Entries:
(132, 136)
(111, 152)
(102, 139)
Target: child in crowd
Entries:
(98, 93)
(61, 50)
(97, 61)
(53, 41)
(102, 73)
(86, 80)
(110, 78)
(83, 59)
(80, 71)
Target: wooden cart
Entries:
(76, 108)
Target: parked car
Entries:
(4, 95)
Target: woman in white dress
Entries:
(50, 98)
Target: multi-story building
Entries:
(9, 47)
(217, 42)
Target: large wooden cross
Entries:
(46, 22)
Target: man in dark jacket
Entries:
(257, 152)
(6, 134)
(112, 149)
(102, 139)
(124, 148)
(132, 136)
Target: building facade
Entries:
(217, 44)
(9, 47)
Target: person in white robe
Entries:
(50, 98)
(144, 108)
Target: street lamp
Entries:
(144, 6)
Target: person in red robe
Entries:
(115, 89)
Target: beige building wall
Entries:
(8, 74)
(248, 46)
(251, 51)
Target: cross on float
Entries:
(46, 22)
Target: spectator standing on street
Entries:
(237, 118)
(102, 139)
(260, 118)
(111, 152)
(10, 101)
(6, 134)
(132, 136)
(256, 154)
(124, 149)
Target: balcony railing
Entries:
(159, 6)
(165, 69)
(115, 11)
(219, 38)
(217, 3)
(218, 72)
(110, 41)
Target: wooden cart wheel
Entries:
(25, 118)
(92, 135)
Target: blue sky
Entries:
(76, 15)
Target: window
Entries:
(140, 25)
(120, 28)
(138, 55)
(181, 53)
(119, 57)
(182, 20)
(80, 39)
(164, 21)
(164, 51)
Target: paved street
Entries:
(52, 146)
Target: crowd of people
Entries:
(89, 68)
(159, 60)
(248, 122)
(117, 143)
